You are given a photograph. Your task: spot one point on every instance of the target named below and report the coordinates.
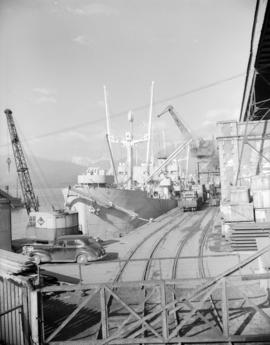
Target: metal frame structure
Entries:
(258, 65)
(30, 199)
(218, 310)
(256, 101)
(248, 137)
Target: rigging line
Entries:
(142, 107)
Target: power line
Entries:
(138, 108)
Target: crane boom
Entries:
(179, 123)
(30, 199)
(183, 129)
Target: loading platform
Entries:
(173, 285)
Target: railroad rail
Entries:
(164, 311)
(151, 298)
(196, 325)
(172, 224)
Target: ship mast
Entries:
(149, 130)
(108, 134)
(129, 144)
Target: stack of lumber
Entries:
(243, 235)
(13, 263)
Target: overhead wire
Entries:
(138, 108)
(35, 170)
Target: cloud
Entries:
(208, 127)
(101, 103)
(222, 114)
(75, 135)
(208, 123)
(96, 9)
(43, 95)
(88, 162)
(45, 99)
(81, 40)
(44, 91)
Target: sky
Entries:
(56, 56)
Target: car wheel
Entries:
(82, 259)
(36, 259)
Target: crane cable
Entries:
(36, 170)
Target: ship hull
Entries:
(112, 212)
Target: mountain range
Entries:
(45, 173)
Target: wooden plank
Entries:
(195, 310)
(225, 312)
(133, 312)
(104, 313)
(70, 317)
(248, 301)
(186, 340)
(165, 331)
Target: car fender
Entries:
(82, 252)
(44, 256)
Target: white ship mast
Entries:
(149, 137)
(130, 143)
(108, 134)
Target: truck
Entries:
(191, 201)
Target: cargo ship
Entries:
(108, 207)
(107, 211)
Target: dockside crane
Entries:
(179, 123)
(30, 199)
(185, 131)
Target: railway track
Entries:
(153, 242)
(152, 298)
(203, 240)
(172, 224)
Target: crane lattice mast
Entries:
(30, 199)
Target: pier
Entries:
(196, 273)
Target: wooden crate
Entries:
(262, 215)
(237, 213)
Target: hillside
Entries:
(44, 172)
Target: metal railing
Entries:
(221, 309)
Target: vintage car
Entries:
(68, 248)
